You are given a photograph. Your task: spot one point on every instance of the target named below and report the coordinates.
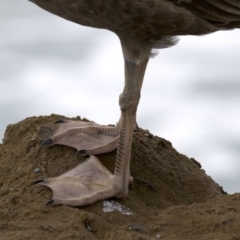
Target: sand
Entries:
(171, 196)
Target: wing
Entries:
(223, 14)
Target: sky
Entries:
(190, 95)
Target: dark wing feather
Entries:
(223, 14)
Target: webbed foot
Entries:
(87, 138)
(87, 183)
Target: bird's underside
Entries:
(141, 25)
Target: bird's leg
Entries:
(128, 102)
(90, 181)
(141, 68)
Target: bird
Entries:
(143, 27)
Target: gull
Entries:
(143, 27)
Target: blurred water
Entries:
(190, 96)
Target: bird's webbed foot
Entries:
(88, 138)
(87, 183)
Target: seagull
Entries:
(143, 27)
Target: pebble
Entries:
(38, 170)
(89, 228)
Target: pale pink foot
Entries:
(88, 138)
(85, 184)
(90, 181)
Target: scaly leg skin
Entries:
(90, 181)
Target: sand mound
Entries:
(171, 197)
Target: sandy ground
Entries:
(171, 197)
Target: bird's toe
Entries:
(51, 201)
(39, 181)
(46, 142)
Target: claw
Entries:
(50, 202)
(39, 181)
(46, 142)
(59, 121)
(81, 152)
